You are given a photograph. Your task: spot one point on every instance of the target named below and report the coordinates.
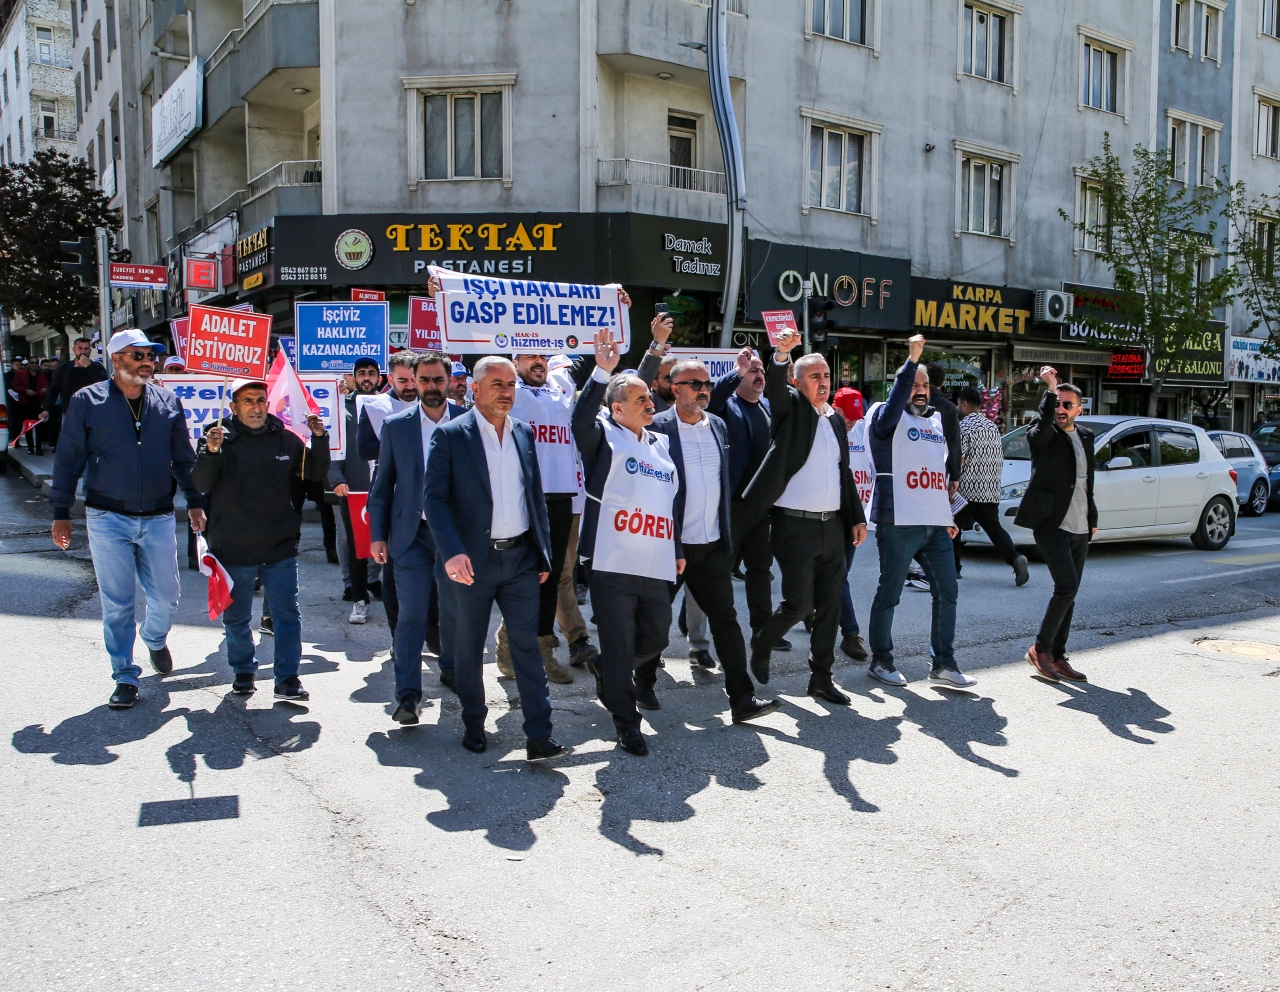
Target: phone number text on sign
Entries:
(482, 316)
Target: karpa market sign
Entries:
(178, 114)
(480, 316)
(228, 342)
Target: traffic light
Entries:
(819, 320)
(87, 266)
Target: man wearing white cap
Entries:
(128, 437)
(248, 465)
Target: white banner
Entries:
(203, 400)
(178, 114)
(1246, 363)
(486, 316)
(719, 361)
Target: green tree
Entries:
(1170, 278)
(49, 199)
(1255, 223)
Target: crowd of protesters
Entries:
(520, 480)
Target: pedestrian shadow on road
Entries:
(959, 720)
(86, 739)
(1118, 711)
(226, 735)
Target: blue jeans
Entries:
(280, 589)
(126, 551)
(897, 546)
(848, 619)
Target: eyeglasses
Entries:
(139, 356)
(697, 385)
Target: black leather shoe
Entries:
(446, 679)
(593, 666)
(407, 712)
(783, 645)
(375, 589)
(243, 684)
(702, 658)
(853, 646)
(760, 665)
(475, 741)
(433, 640)
(826, 689)
(753, 708)
(291, 690)
(162, 660)
(332, 555)
(646, 698)
(539, 748)
(633, 743)
(124, 696)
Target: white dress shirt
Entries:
(506, 481)
(701, 453)
(428, 428)
(816, 487)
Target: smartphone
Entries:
(662, 308)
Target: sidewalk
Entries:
(36, 469)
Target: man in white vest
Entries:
(911, 511)
(629, 533)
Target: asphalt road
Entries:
(1115, 835)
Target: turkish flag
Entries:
(356, 505)
(220, 582)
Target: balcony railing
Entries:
(53, 134)
(634, 172)
(261, 7)
(53, 63)
(210, 217)
(305, 173)
(225, 47)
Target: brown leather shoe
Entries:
(1062, 665)
(1042, 663)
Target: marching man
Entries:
(911, 510)
(629, 533)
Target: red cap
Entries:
(849, 402)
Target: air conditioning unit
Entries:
(1052, 306)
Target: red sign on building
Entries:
(126, 275)
(368, 296)
(202, 274)
(1127, 365)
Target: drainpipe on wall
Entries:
(731, 146)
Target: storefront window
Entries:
(965, 366)
(1025, 391)
(688, 318)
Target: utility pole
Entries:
(807, 288)
(104, 283)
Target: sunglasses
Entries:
(697, 385)
(139, 356)
(1068, 406)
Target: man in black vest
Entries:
(1059, 509)
(806, 488)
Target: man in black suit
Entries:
(1059, 509)
(488, 515)
(806, 487)
(699, 446)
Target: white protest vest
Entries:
(636, 533)
(549, 410)
(861, 465)
(920, 473)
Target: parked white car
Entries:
(1154, 478)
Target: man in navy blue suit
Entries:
(699, 446)
(398, 528)
(488, 514)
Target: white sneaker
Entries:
(886, 674)
(359, 612)
(920, 585)
(952, 676)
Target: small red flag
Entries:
(220, 582)
(357, 505)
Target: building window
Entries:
(1179, 142)
(1182, 25)
(459, 127)
(1096, 235)
(837, 173)
(44, 45)
(1211, 28)
(982, 184)
(111, 27)
(985, 43)
(1101, 77)
(97, 54)
(22, 140)
(1208, 156)
(88, 85)
(17, 68)
(75, 29)
(843, 19)
(4, 79)
(1268, 129)
(1271, 18)
(9, 146)
(146, 117)
(102, 150)
(48, 118)
(682, 149)
(1264, 236)
(79, 102)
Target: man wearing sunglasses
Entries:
(129, 439)
(699, 446)
(1059, 509)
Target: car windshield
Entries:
(1015, 444)
(1267, 438)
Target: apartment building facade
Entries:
(911, 158)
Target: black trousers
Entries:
(986, 515)
(314, 491)
(560, 515)
(391, 601)
(708, 576)
(359, 567)
(1065, 555)
(638, 612)
(753, 550)
(810, 554)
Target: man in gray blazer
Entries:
(699, 446)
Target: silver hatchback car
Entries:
(1253, 484)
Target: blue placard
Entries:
(290, 346)
(331, 336)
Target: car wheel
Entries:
(1259, 496)
(1215, 526)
